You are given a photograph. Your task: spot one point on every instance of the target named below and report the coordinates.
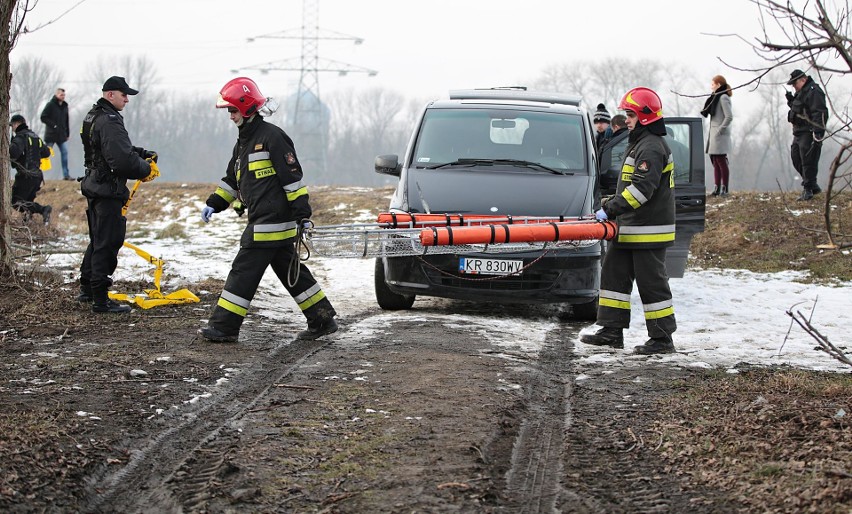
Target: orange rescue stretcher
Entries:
(506, 233)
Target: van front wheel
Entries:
(388, 300)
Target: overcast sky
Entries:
(419, 48)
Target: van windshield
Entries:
(551, 140)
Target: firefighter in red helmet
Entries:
(263, 178)
(643, 206)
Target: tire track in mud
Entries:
(586, 447)
(533, 481)
(142, 484)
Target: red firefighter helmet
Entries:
(645, 103)
(243, 94)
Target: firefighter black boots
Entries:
(217, 336)
(102, 303)
(606, 336)
(324, 326)
(85, 295)
(655, 345)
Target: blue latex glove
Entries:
(600, 215)
(206, 214)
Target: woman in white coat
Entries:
(719, 143)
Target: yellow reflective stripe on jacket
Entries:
(274, 231)
(225, 191)
(614, 299)
(646, 234)
(658, 310)
(633, 196)
(233, 303)
(309, 297)
(292, 195)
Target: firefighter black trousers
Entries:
(647, 267)
(805, 153)
(246, 272)
(107, 228)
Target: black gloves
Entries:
(789, 96)
(148, 154)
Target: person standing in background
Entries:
(719, 141)
(56, 128)
(808, 115)
(601, 119)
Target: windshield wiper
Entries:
(491, 162)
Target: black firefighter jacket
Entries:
(55, 119)
(26, 151)
(109, 157)
(643, 203)
(264, 174)
(808, 112)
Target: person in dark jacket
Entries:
(56, 128)
(110, 160)
(601, 119)
(643, 206)
(808, 114)
(26, 151)
(263, 177)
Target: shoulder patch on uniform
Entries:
(258, 146)
(291, 159)
(643, 166)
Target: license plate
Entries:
(475, 266)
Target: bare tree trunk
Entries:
(7, 11)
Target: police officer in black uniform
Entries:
(110, 161)
(263, 177)
(644, 208)
(26, 151)
(808, 115)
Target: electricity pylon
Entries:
(306, 113)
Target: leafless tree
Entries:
(148, 106)
(12, 15)
(34, 82)
(815, 36)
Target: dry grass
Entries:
(770, 232)
(780, 440)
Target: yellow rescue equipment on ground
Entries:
(151, 297)
(154, 297)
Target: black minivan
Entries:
(504, 152)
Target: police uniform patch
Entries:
(258, 146)
(643, 166)
(291, 159)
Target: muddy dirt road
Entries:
(399, 412)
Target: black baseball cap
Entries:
(17, 118)
(118, 84)
(796, 75)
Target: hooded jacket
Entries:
(265, 176)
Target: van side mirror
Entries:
(388, 165)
